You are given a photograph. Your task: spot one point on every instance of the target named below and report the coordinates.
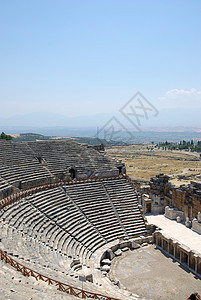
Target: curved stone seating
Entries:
(37, 256)
(58, 224)
(80, 219)
(61, 155)
(60, 209)
(29, 164)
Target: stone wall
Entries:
(187, 257)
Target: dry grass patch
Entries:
(143, 163)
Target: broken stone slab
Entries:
(134, 245)
(124, 249)
(118, 252)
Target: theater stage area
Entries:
(150, 274)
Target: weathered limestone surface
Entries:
(172, 213)
(196, 226)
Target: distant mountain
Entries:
(168, 118)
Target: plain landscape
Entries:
(146, 161)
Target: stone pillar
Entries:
(188, 259)
(185, 211)
(191, 213)
(196, 263)
(168, 246)
(180, 255)
(174, 249)
(156, 239)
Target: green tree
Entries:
(4, 136)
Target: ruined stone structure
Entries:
(157, 195)
(186, 198)
(187, 257)
(178, 203)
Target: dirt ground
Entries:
(152, 275)
(143, 163)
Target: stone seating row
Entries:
(34, 252)
(77, 241)
(61, 155)
(103, 202)
(24, 174)
(21, 161)
(94, 203)
(13, 285)
(40, 258)
(78, 221)
(126, 203)
(15, 153)
(59, 208)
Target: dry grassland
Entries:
(142, 163)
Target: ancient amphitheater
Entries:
(66, 211)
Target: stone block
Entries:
(124, 249)
(196, 226)
(134, 245)
(187, 223)
(118, 252)
(105, 268)
(106, 261)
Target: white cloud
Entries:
(177, 92)
(180, 98)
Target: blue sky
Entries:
(86, 57)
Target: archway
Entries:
(72, 173)
(120, 170)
